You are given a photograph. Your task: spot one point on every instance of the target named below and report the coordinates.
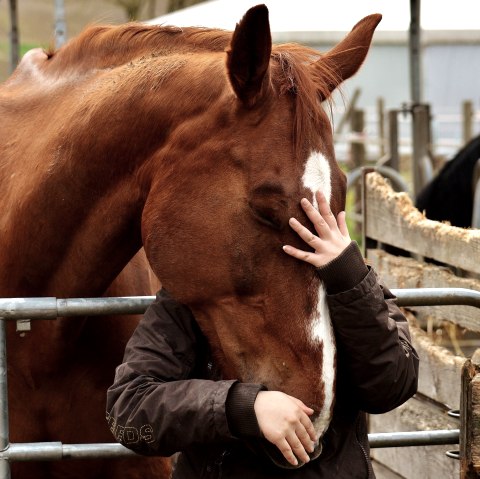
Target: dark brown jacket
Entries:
(167, 396)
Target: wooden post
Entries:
(152, 8)
(470, 420)
(348, 112)
(467, 124)
(358, 159)
(415, 52)
(357, 148)
(60, 24)
(14, 41)
(394, 161)
(381, 124)
(422, 167)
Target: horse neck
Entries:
(71, 203)
(73, 198)
(63, 237)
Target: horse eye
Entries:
(272, 215)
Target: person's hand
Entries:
(284, 421)
(332, 233)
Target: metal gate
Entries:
(24, 310)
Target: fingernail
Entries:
(304, 201)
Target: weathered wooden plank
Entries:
(400, 272)
(470, 420)
(475, 415)
(391, 218)
(384, 472)
(426, 462)
(439, 371)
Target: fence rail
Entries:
(50, 308)
(54, 451)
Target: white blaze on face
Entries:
(317, 178)
(322, 332)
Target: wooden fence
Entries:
(447, 381)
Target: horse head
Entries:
(252, 139)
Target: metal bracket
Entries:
(23, 326)
(453, 454)
(454, 413)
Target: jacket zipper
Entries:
(219, 463)
(365, 455)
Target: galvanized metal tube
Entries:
(108, 450)
(48, 451)
(414, 438)
(33, 451)
(4, 432)
(437, 297)
(28, 308)
(4, 469)
(103, 306)
(55, 451)
(50, 308)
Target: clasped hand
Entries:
(284, 421)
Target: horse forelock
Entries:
(309, 87)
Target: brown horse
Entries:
(197, 144)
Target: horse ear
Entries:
(248, 57)
(344, 60)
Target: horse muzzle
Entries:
(266, 448)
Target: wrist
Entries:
(345, 271)
(240, 411)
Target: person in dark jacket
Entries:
(168, 397)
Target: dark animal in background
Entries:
(450, 195)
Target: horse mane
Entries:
(107, 46)
(122, 43)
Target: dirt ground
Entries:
(36, 21)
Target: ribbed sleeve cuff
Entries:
(345, 271)
(240, 412)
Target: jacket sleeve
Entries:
(373, 338)
(155, 406)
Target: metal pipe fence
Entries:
(50, 308)
(54, 451)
